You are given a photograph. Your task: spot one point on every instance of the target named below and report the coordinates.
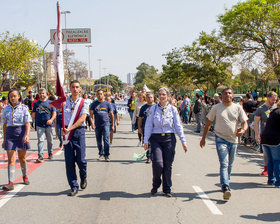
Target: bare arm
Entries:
(112, 119)
(91, 119)
(241, 131)
(33, 115)
(4, 134)
(27, 126)
(256, 128)
(205, 131)
(140, 120)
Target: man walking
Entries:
(197, 109)
(262, 114)
(185, 108)
(75, 113)
(228, 117)
(43, 115)
(102, 111)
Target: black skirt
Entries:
(14, 139)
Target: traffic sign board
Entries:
(73, 36)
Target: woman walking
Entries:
(161, 124)
(16, 126)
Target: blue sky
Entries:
(125, 33)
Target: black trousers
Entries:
(162, 155)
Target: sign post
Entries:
(73, 36)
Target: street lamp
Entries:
(65, 12)
(88, 46)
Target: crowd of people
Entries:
(155, 117)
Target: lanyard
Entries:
(13, 112)
(163, 113)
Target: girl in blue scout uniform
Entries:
(161, 124)
(16, 126)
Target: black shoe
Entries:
(226, 193)
(197, 131)
(50, 156)
(148, 161)
(60, 145)
(153, 191)
(72, 193)
(40, 159)
(107, 159)
(83, 184)
(168, 195)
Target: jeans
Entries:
(185, 116)
(40, 135)
(273, 163)
(198, 121)
(162, 153)
(105, 132)
(75, 152)
(226, 153)
(58, 130)
(131, 116)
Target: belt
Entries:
(66, 126)
(163, 134)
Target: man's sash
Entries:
(75, 116)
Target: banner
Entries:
(122, 107)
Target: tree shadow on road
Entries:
(108, 195)
(266, 217)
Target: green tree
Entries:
(111, 80)
(17, 57)
(253, 28)
(144, 70)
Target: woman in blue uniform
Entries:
(161, 124)
(16, 127)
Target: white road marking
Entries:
(177, 174)
(59, 152)
(213, 208)
(11, 194)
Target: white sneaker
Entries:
(110, 145)
(139, 144)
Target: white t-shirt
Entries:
(228, 119)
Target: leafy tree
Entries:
(112, 80)
(17, 57)
(253, 27)
(144, 70)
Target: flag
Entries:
(58, 64)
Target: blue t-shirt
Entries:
(144, 112)
(114, 107)
(43, 113)
(101, 113)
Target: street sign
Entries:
(73, 36)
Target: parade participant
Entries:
(75, 113)
(262, 114)
(270, 139)
(161, 124)
(89, 101)
(131, 107)
(16, 128)
(197, 109)
(228, 117)
(116, 118)
(185, 108)
(102, 111)
(141, 101)
(43, 115)
(144, 112)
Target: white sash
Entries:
(66, 141)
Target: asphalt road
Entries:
(119, 191)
